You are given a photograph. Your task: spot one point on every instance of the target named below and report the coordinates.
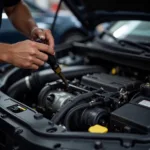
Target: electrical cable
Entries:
(55, 17)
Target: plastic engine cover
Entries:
(109, 82)
(133, 117)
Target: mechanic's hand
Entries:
(43, 35)
(28, 54)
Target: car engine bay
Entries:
(96, 100)
(103, 97)
(105, 102)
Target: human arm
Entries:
(22, 19)
(24, 54)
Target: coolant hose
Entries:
(37, 80)
(75, 109)
(57, 118)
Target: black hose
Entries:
(55, 17)
(11, 76)
(77, 108)
(20, 87)
(38, 79)
(56, 118)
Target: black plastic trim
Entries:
(28, 131)
(137, 59)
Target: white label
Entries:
(145, 103)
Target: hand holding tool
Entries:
(54, 64)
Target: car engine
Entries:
(100, 98)
(104, 98)
(111, 102)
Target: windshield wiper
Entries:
(123, 43)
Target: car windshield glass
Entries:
(125, 42)
(138, 31)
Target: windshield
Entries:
(131, 30)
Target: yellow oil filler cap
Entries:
(98, 129)
(114, 71)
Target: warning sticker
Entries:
(145, 103)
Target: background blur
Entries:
(67, 27)
(48, 4)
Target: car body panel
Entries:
(92, 13)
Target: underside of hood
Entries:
(93, 12)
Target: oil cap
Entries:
(98, 129)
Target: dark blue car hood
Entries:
(92, 12)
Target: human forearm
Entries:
(3, 53)
(21, 18)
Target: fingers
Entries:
(37, 33)
(50, 38)
(42, 56)
(43, 47)
(34, 67)
(34, 63)
(44, 35)
(38, 62)
(41, 34)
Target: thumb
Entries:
(40, 34)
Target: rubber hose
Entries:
(56, 119)
(20, 87)
(11, 76)
(69, 72)
(38, 79)
(73, 110)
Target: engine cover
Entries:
(132, 117)
(109, 82)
